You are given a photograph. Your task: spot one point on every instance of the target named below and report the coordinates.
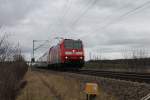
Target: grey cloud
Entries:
(12, 11)
(112, 4)
(47, 19)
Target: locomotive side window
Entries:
(71, 44)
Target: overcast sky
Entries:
(105, 26)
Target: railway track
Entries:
(128, 76)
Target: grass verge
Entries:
(51, 86)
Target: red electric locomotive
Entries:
(68, 53)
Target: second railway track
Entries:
(128, 76)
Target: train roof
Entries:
(63, 41)
(70, 39)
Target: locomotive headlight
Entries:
(68, 53)
(81, 57)
(66, 57)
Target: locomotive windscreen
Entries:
(72, 44)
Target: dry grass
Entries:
(35, 89)
(50, 86)
(11, 75)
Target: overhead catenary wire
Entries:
(120, 18)
(66, 8)
(59, 19)
(84, 12)
(111, 22)
(118, 9)
(130, 12)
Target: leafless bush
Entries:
(139, 53)
(136, 58)
(135, 53)
(10, 77)
(8, 52)
(12, 69)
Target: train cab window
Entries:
(68, 44)
(71, 44)
(77, 45)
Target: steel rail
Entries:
(127, 76)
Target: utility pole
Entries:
(90, 56)
(33, 52)
(40, 46)
(35, 48)
(33, 59)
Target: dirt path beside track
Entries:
(36, 88)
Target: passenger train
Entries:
(68, 54)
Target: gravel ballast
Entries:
(120, 89)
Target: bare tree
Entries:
(9, 52)
(4, 47)
(17, 54)
(125, 54)
(138, 53)
(13, 72)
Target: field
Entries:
(129, 65)
(16, 83)
(52, 86)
